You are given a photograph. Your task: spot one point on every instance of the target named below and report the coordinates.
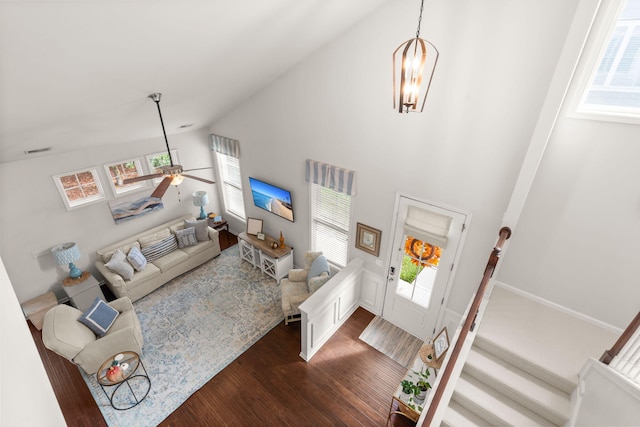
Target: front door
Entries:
(427, 242)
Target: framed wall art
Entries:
(368, 239)
(441, 344)
(254, 226)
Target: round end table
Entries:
(130, 371)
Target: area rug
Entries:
(392, 341)
(193, 327)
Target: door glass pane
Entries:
(418, 272)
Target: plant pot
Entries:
(421, 395)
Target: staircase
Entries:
(523, 365)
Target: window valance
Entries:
(333, 177)
(227, 146)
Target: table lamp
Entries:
(201, 199)
(67, 253)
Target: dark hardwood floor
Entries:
(347, 383)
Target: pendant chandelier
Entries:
(415, 73)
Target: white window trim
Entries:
(174, 157)
(119, 191)
(349, 233)
(84, 202)
(594, 48)
(221, 183)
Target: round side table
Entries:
(131, 372)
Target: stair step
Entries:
(457, 415)
(540, 397)
(492, 406)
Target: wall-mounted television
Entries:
(271, 198)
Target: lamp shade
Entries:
(201, 199)
(67, 253)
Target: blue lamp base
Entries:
(202, 214)
(74, 272)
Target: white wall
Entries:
(25, 391)
(33, 217)
(576, 243)
(464, 151)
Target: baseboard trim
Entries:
(560, 308)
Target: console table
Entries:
(259, 253)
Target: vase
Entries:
(281, 240)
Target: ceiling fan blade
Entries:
(162, 187)
(142, 178)
(198, 178)
(197, 169)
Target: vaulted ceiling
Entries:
(77, 73)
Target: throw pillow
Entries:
(186, 237)
(136, 259)
(152, 239)
(118, 264)
(202, 228)
(160, 249)
(318, 266)
(99, 317)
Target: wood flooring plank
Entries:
(347, 383)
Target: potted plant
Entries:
(422, 385)
(408, 388)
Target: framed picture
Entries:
(441, 343)
(260, 236)
(254, 226)
(368, 239)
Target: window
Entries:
(157, 160)
(118, 172)
(330, 219)
(229, 168)
(614, 86)
(79, 188)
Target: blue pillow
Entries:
(136, 259)
(99, 317)
(318, 266)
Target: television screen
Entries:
(271, 198)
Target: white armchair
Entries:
(63, 334)
(302, 283)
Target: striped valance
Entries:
(333, 177)
(227, 146)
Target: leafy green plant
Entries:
(422, 383)
(408, 387)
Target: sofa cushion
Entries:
(119, 264)
(136, 259)
(186, 237)
(171, 260)
(160, 249)
(63, 333)
(201, 226)
(318, 266)
(99, 317)
(153, 238)
(198, 249)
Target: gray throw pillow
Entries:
(119, 264)
(202, 228)
(186, 237)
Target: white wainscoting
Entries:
(329, 307)
(372, 292)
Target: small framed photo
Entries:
(260, 236)
(368, 239)
(441, 343)
(254, 226)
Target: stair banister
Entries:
(468, 326)
(608, 355)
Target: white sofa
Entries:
(160, 271)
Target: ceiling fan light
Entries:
(177, 180)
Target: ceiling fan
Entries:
(173, 174)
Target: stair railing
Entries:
(468, 326)
(624, 356)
